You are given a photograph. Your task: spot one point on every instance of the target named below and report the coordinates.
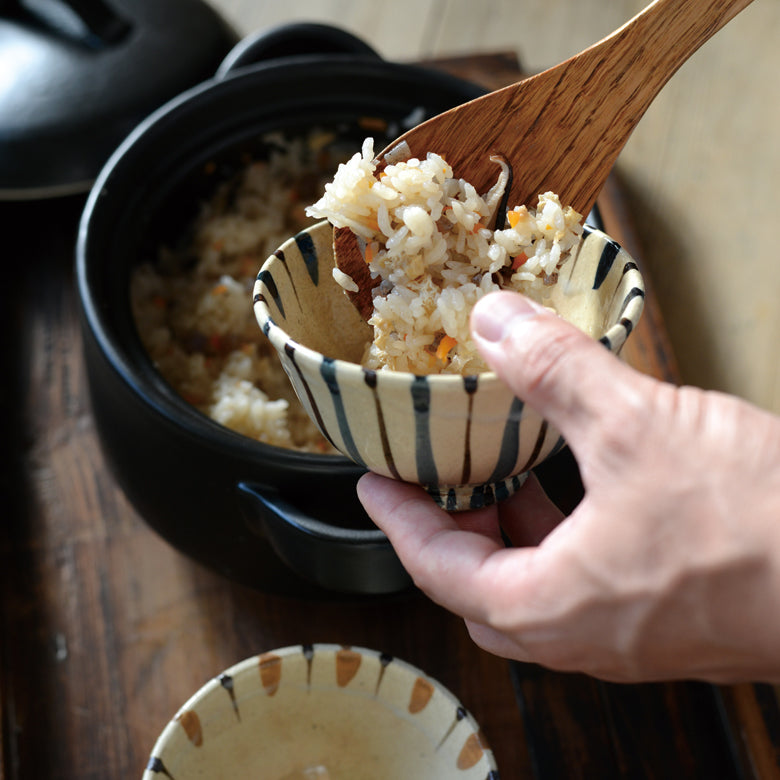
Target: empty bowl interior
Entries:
(326, 712)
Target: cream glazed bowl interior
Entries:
(322, 712)
(467, 439)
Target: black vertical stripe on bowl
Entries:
(370, 378)
(606, 261)
(267, 279)
(289, 351)
(328, 373)
(541, 436)
(510, 442)
(309, 254)
(470, 384)
(634, 292)
(421, 398)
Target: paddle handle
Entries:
(642, 55)
(588, 106)
(563, 129)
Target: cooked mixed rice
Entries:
(430, 238)
(193, 307)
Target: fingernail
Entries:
(494, 313)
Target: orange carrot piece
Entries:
(521, 259)
(445, 346)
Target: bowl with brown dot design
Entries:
(322, 712)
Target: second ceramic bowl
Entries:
(322, 712)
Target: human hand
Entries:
(669, 567)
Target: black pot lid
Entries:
(77, 75)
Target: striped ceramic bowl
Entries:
(468, 440)
(320, 712)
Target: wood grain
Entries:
(563, 129)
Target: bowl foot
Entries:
(459, 498)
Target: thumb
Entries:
(568, 377)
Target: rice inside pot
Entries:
(193, 307)
(430, 238)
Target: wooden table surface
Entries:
(105, 630)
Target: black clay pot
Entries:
(273, 519)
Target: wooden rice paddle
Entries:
(560, 130)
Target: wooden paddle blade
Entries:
(563, 129)
(349, 259)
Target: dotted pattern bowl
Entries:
(468, 440)
(322, 711)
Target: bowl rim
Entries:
(484, 380)
(307, 651)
